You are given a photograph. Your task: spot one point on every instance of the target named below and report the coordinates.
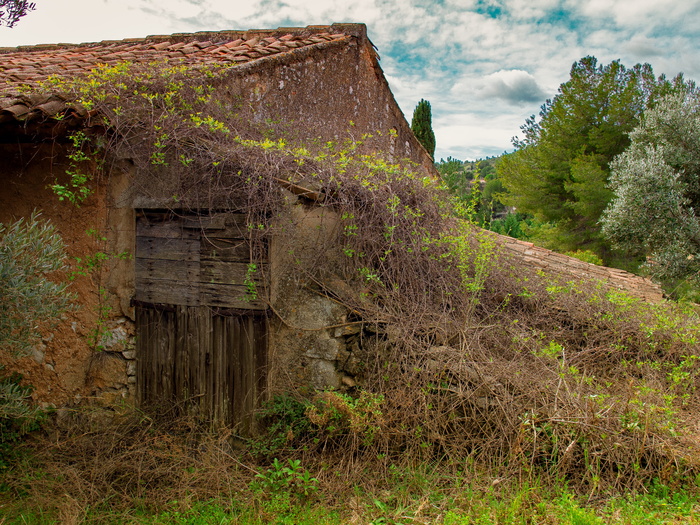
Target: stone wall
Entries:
(63, 365)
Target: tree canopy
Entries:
(12, 10)
(560, 170)
(655, 211)
(422, 126)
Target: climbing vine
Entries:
(82, 156)
(473, 354)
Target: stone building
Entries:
(165, 316)
(165, 310)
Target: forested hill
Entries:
(609, 172)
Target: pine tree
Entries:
(560, 171)
(422, 126)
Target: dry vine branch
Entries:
(474, 355)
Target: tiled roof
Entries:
(568, 267)
(28, 65)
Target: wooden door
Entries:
(202, 361)
(201, 337)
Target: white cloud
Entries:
(529, 9)
(643, 46)
(465, 135)
(642, 15)
(514, 86)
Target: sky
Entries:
(484, 65)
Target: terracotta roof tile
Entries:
(26, 66)
(565, 266)
(35, 63)
(159, 46)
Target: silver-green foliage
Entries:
(17, 415)
(656, 208)
(30, 250)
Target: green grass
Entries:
(275, 512)
(33, 492)
(279, 511)
(469, 506)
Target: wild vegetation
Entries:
(606, 174)
(487, 385)
(30, 251)
(560, 169)
(656, 183)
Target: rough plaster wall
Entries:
(121, 234)
(64, 367)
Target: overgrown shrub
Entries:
(18, 415)
(285, 425)
(30, 250)
(475, 357)
(336, 415)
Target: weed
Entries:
(250, 283)
(290, 478)
(336, 415)
(286, 425)
(82, 153)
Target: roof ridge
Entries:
(26, 67)
(350, 29)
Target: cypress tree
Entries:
(422, 126)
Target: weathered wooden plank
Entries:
(167, 292)
(166, 350)
(230, 296)
(154, 352)
(158, 269)
(167, 249)
(260, 341)
(190, 328)
(216, 365)
(236, 344)
(229, 272)
(235, 231)
(248, 375)
(203, 222)
(212, 365)
(240, 220)
(196, 294)
(165, 230)
(226, 250)
(180, 358)
(203, 376)
(142, 352)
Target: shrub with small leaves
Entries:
(17, 415)
(30, 250)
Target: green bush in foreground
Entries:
(30, 250)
